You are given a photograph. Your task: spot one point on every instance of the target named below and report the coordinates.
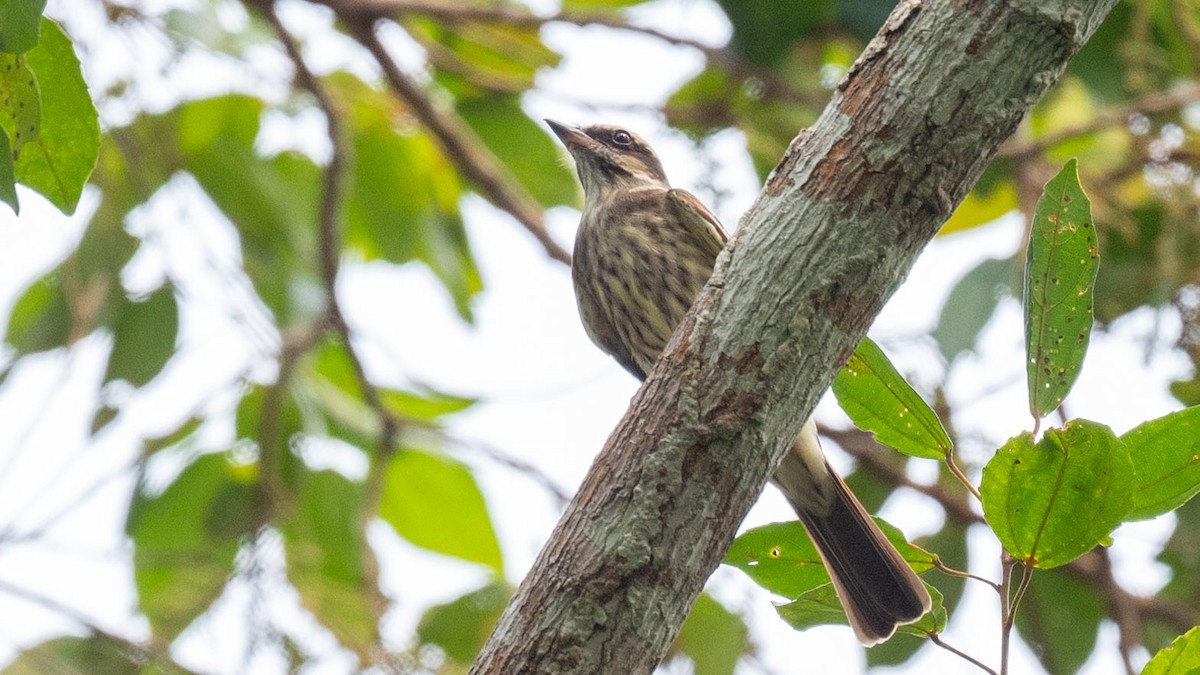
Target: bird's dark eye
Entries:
(622, 138)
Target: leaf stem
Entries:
(962, 477)
(942, 567)
(937, 640)
(1009, 604)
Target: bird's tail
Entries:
(878, 589)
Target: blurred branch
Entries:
(502, 458)
(1152, 104)
(329, 216)
(1122, 609)
(462, 145)
(518, 15)
(861, 445)
(136, 652)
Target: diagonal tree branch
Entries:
(839, 224)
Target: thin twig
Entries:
(519, 465)
(1010, 604)
(1006, 569)
(329, 222)
(937, 640)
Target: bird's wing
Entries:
(696, 216)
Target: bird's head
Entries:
(610, 158)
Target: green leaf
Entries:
(879, 400)
(1182, 657)
(272, 201)
(461, 626)
(472, 58)
(1058, 619)
(1166, 463)
(426, 406)
(8, 178)
(20, 24)
(1051, 503)
(781, 557)
(970, 304)
(713, 637)
(329, 561)
(41, 318)
(143, 338)
(765, 30)
(433, 502)
(20, 101)
(58, 163)
(1062, 262)
(524, 147)
(185, 541)
(95, 655)
(821, 607)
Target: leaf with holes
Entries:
(821, 607)
(781, 557)
(1052, 502)
(62, 154)
(878, 399)
(1061, 270)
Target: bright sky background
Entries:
(550, 397)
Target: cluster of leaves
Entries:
(198, 533)
(1048, 501)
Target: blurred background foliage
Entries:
(257, 503)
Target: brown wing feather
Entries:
(695, 215)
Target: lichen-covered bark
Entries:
(833, 234)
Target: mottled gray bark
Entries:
(836, 229)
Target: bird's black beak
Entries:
(572, 137)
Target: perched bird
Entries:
(643, 252)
